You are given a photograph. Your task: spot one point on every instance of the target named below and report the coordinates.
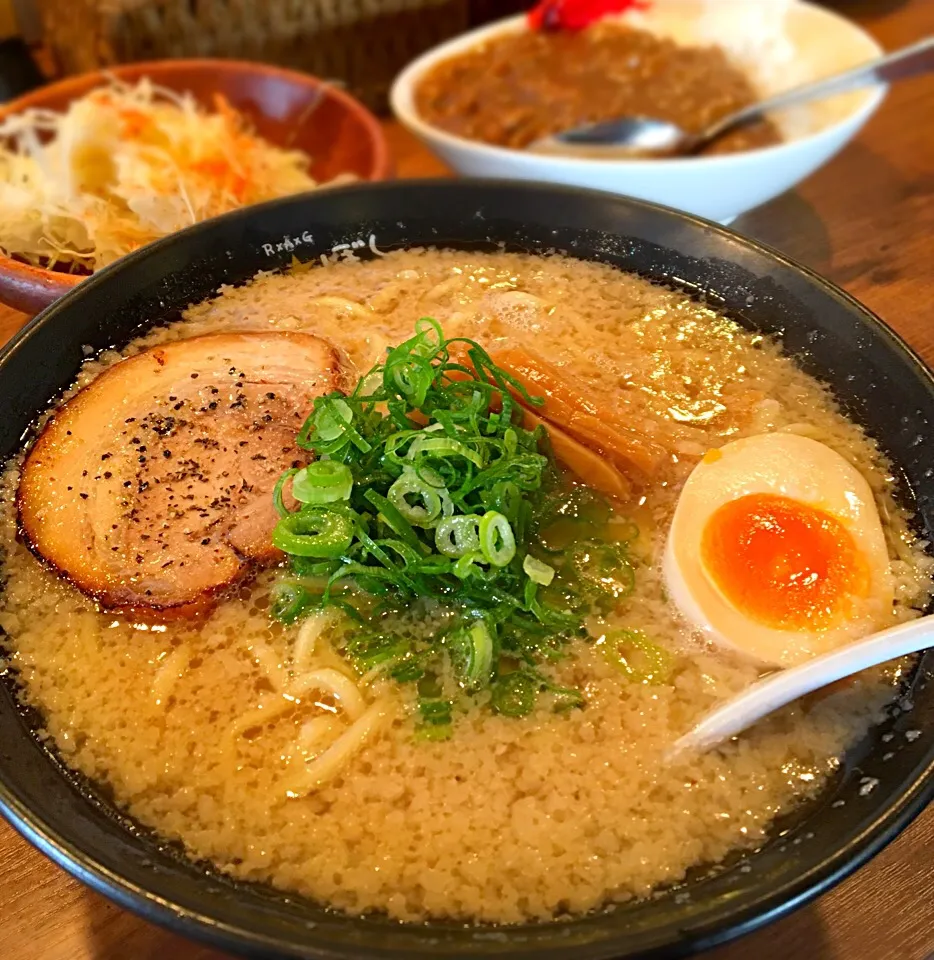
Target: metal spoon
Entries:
(650, 136)
(775, 691)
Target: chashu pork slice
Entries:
(151, 489)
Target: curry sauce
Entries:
(517, 88)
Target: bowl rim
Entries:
(402, 101)
(60, 283)
(195, 923)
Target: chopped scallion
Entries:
(496, 539)
(633, 654)
(538, 572)
(324, 481)
(514, 695)
(443, 447)
(331, 420)
(423, 514)
(314, 532)
(472, 653)
(435, 712)
(456, 536)
(417, 518)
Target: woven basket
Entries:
(364, 43)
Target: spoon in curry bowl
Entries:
(650, 136)
(785, 686)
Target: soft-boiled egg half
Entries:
(776, 549)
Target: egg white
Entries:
(801, 469)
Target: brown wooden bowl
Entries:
(339, 134)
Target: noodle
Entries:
(259, 717)
(171, 668)
(308, 635)
(327, 680)
(269, 664)
(326, 766)
(317, 730)
(341, 303)
(337, 684)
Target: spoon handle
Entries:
(788, 685)
(907, 62)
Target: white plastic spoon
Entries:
(775, 691)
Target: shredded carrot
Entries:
(135, 122)
(223, 173)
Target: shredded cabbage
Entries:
(125, 165)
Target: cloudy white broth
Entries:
(264, 746)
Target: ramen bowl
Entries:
(879, 382)
(816, 43)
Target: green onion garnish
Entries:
(456, 536)
(331, 420)
(514, 695)
(537, 571)
(497, 540)
(289, 601)
(633, 654)
(426, 519)
(417, 500)
(471, 651)
(314, 532)
(324, 481)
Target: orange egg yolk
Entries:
(783, 563)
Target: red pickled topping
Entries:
(578, 14)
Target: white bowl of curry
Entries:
(481, 100)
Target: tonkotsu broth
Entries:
(511, 819)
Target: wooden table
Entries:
(866, 221)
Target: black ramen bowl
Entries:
(879, 382)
